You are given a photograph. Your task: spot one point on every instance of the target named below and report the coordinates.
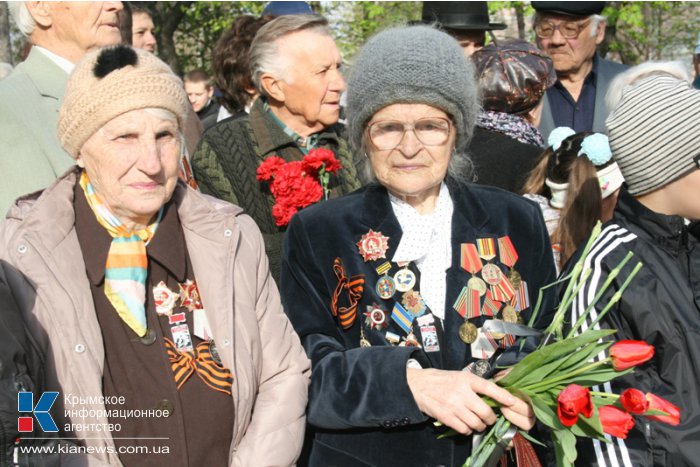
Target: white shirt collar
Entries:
(64, 64)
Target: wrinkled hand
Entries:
(452, 398)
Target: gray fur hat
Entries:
(412, 64)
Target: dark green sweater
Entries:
(229, 154)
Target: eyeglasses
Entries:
(570, 30)
(388, 134)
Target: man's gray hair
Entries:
(264, 50)
(22, 18)
(631, 76)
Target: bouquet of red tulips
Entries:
(555, 378)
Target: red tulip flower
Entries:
(572, 401)
(634, 401)
(658, 403)
(627, 354)
(615, 422)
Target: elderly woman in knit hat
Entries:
(153, 303)
(653, 133)
(405, 292)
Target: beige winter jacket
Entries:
(40, 252)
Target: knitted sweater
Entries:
(229, 154)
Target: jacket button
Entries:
(405, 421)
(227, 233)
(80, 348)
(387, 424)
(225, 342)
(22, 249)
(166, 406)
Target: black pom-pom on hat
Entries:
(114, 58)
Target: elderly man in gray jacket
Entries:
(60, 34)
(569, 32)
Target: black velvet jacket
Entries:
(361, 409)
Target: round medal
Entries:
(514, 278)
(414, 302)
(509, 314)
(378, 317)
(481, 367)
(386, 287)
(477, 284)
(467, 332)
(492, 274)
(148, 338)
(404, 280)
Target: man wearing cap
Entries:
(569, 33)
(653, 134)
(467, 22)
(60, 34)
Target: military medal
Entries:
(410, 341)
(373, 246)
(490, 307)
(492, 274)
(467, 332)
(509, 314)
(386, 287)
(402, 317)
(164, 299)
(484, 346)
(521, 299)
(364, 342)
(189, 295)
(405, 279)
(477, 284)
(514, 277)
(479, 368)
(375, 317)
(467, 303)
(392, 338)
(496, 335)
(503, 291)
(469, 260)
(414, 303)
(182, 338)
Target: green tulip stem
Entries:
(611, 277)
(558, 321)
(548, 383)
(605, 395)
(617, 295)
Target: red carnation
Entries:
(269, 168)
(634, 401)
(574, 400)
(659, 403)
(627, 354)
(317, 158)
(283, 214)
(615, 422)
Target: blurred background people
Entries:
(569, 32)
(513, 76)
(142, 30)
(60, 34)
(200, 92)
(696, 64)
(466, 22)
(231, 65)
(575, 183)
(295, 66)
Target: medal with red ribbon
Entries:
(467, 303)
(470, 260)
(506, 251)
(189, 295)
(486, 248)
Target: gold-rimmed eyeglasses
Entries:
(388, 134)
(569, 29)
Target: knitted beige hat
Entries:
(109, 82)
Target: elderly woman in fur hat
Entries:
(405, 292)
(153, 303)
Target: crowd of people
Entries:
(285, 261)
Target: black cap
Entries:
(569, 8)
(460, 16)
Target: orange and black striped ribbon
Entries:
(354, 286)
(199, 361)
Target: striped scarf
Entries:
(127, 263)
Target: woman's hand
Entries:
(453, 398)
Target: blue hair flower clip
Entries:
(597, 148)
(558, 135)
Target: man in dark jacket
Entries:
(653, 136)
(296, 68)
(569, 33)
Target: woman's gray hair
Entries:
(22, 18)
(629, 77)
(264, 50)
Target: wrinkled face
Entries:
(132, 163)
(412, 168)
(570, 55)
(86, 25)
(470, 41)
(142, 33)
(198, 93)
(313, 83)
